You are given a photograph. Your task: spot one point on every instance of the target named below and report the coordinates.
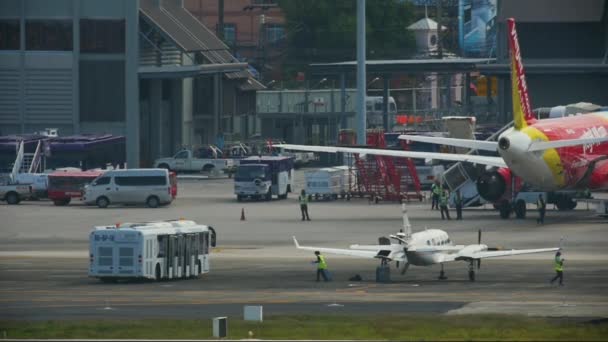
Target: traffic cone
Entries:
(242, 214)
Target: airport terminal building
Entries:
(146, 69)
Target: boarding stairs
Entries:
(27, 162)
(386, 178)
(463, 177)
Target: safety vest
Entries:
(443, 200)
(540, 203)
(303, 200)
(322, 264)
(435, 189)
(559, 264)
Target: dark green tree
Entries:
(325, 30)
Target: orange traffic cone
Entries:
(242, 214)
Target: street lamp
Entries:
(323, 80)
(372, 81)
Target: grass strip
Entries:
(395, 327)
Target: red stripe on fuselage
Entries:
(576, 159)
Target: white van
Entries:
(133, 186)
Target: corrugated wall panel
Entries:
(49, 96)
(9, 96)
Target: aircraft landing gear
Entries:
(471, 271)
(442, 274)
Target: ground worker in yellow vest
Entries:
(321, 267)
(458, 204)
(559, 269)
(542, 207)
(304, 205)
(435, 193)
(443, 205)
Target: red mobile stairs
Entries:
(383, 177)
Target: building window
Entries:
(274, 33)
(230, 34)
(48, 35)
(102, 36)
(9, 34)
(102, 91)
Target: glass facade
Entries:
(274, 33)
(9, 34)
(230, 34)
(102, 91)
(102, 36)
(48, 35)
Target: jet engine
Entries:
(494, 185)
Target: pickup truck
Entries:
(197, 161)
(14, 193)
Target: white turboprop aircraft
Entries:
(425, 248)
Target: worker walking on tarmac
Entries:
(443, 204)
(435, 193)
(542, 206)
(304, 205)
(458, 203)
(321, 267)
(559, 269)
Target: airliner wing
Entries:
(368, 254)
(484, 160)
(545, 145)
(496, 254)
(467, 143)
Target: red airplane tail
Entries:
(522, 111)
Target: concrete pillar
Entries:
(385, 93)
(344, 120)
(187, 131)
(466, 89)
(22, 98)
(76, 66)
(156, 131)
(217, 106)
(132, 81)
(361, 78)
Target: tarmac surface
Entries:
(44, 260)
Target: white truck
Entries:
(200, 160)
(14, 193)
(327, 183)
(263, 177)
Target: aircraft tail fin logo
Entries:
(522, 111)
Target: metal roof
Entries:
(184, 71)
(185, 31)
(404, 65)
(425, 24)
(546, 68)
(190, 35)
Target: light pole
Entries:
(361, 122)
